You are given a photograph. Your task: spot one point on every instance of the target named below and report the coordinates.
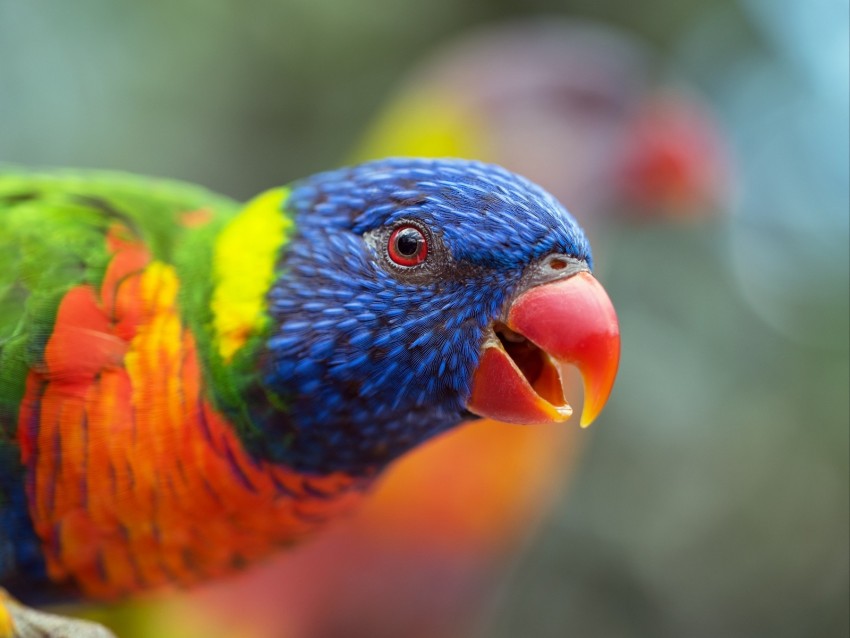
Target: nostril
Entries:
(558, 264)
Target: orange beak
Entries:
(521, 375)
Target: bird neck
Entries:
(244, 260)
(233, 265)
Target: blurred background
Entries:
(703, 143)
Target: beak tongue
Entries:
(569, 322)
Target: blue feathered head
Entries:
(400, 278)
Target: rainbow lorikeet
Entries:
(187, 383)
(570, 105)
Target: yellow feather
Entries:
(244, 261)
(423, 125)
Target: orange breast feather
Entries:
(134, 479)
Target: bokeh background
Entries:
(711, 499)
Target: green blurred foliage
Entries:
(235, 95)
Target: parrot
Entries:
(568, 103)
(571, 103)
(188, 383)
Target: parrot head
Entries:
(418, 293)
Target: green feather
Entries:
(52, 228)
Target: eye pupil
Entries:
(407, 246)
(408, 242)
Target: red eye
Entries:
(407, 246)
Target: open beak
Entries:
(521, 375)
